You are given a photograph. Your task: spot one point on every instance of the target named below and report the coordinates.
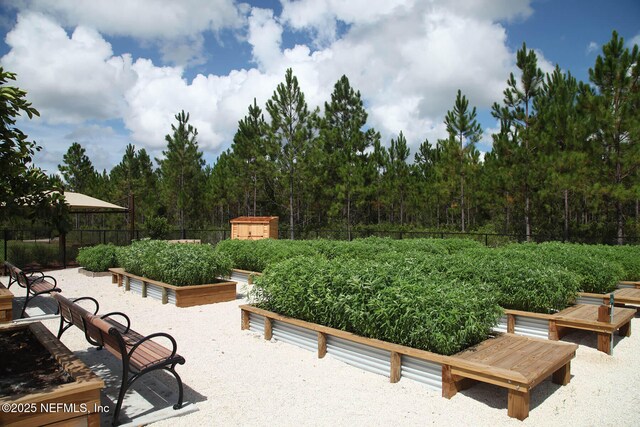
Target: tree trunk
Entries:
(291, 219)
(462, 202)
(527, 218)
(566, 215)
(620, 221)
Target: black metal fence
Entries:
(42, 246)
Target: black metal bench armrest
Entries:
(118, 313)
(75, 300)
(150, 337)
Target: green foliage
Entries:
(98, 258)
(594, 273)
(175, 264)
(24, 188)
(77, 170)
(22, 254)
(375, 300)
(157, 227)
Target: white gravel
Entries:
(235, 377)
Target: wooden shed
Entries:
(254, 227)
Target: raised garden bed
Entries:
(52, 386)
(6, 304)
(243, 276)
(180, 296)
(88, 273)
(580, 316)
(449, 374)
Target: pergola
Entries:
(81, 203)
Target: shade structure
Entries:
(81, 203)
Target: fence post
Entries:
(5, 237)
(486, 240)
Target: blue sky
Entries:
(106, 73)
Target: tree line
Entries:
(565, 163)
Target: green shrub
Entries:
(379, 301)
(595, 273)
(98, 258)
(175, 264)
(22, 254)
(157, 227)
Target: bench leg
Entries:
(625, 330)
(563, 375)
(180, 390)
(518, 404)
(604, 342)
(452, 384)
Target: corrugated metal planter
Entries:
(180, 296)
(383, 358)
(243, 276)
(448, 374)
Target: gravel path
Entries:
(237, 378)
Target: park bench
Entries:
(139, 354)
(35, 282)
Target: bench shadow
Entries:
(496, 397)
(587, 338)
(38, 306)
(153, 392)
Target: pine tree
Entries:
(519, 113)
(77, 170)
(463, 127)
(614, 106)
(250, 149)
(289, 130)
(345, 143)
(181, 174)
(399, 173)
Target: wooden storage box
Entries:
(254, 227)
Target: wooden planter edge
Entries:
(186, 296)
(84, 390)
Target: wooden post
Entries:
(322, 345)
(244, 325)
(396, 366)
(165, 295)
(553, 330)
(127, 286)
(449, 387)
(132, 217)
(625, 330)
(114, 278)
(268, 329)
(563, 375)
(604, 342)
(511, 323)
(144, 289)
(518, 404)
(604, 315)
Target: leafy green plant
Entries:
(375, 300)
(98, 258)
(175, 264)
(24, 253)
(157, 227)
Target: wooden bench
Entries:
(139, 354)
(35, 282)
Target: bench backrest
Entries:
(16, 275)
(70, 311)
(105, 335)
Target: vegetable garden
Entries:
(436, 295)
